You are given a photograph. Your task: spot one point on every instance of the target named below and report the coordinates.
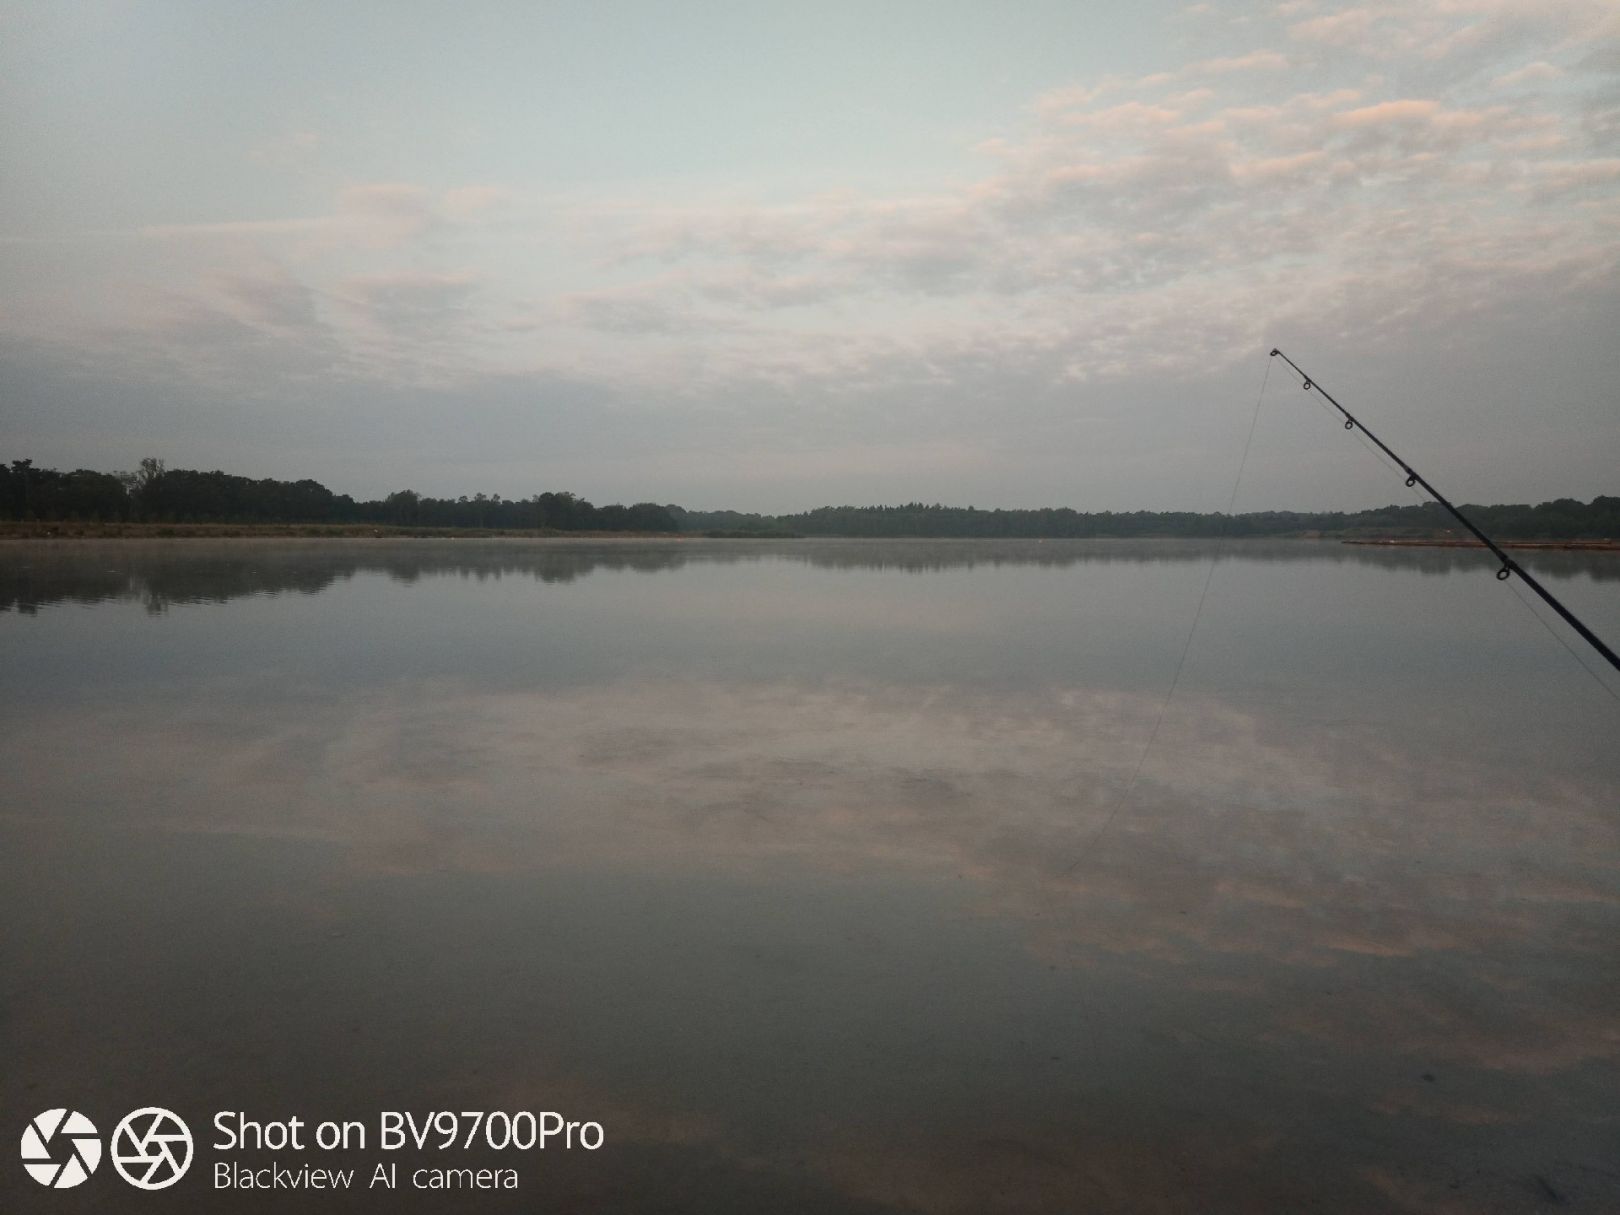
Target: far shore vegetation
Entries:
(158, 501)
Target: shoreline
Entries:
(66, 530)
(1590, 546)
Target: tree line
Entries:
(155, 493)
(1561, 519)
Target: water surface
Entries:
(805, 868)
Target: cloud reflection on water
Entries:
(1305, 848)
(881, 936)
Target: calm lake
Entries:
(803, 868)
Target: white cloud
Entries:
(1349, 27)
(409, 303)
(1530, 73)
(1385, 171)
(1149, 208)
(1253, 61)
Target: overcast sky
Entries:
(769, 256)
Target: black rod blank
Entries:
(1413, 477)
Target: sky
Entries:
(773, 256)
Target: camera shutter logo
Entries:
(60, 1148)
(151, 1148)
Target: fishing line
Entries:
(1509, 567)
(1175, 680)
(1517, 594)
(1563, 641)
(1369, 448)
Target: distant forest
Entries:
(154, 493)
(157, 494)
(1564, 519)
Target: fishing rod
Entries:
(1509, 565)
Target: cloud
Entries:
(1405, 111)
(1555, 178)
(1530, 73)
(1349, 27)
(1388, 176)
(1123, 205)
(1462, 31)
(1254, 61)
(1131, 206)
(296, 226)
(386, 213)
(636, 312)
(372, 216)
(252, 327)
(272, 298)
(409, 304)
(412, 326)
